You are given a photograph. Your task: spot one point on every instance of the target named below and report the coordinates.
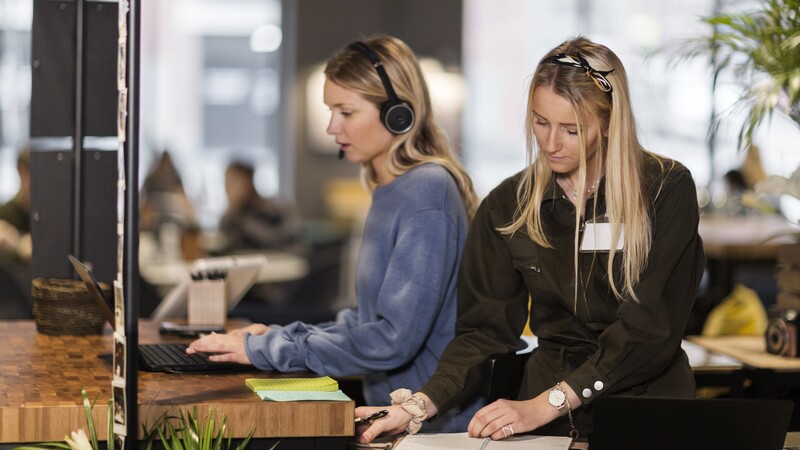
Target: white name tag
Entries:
(597, 237)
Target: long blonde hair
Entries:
(425, 142)
(619, 155)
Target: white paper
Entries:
(460, 441)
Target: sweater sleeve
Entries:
(492, 309)
(420, 268)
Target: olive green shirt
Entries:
(600, 345)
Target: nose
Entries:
(333, 126)
(552, 141)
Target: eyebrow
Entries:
(544, 118)
(343, 105)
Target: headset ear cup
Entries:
(397, 117)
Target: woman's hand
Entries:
(393, 423)
(228, 348)
(254, 329)
(505, 418)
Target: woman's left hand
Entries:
(505, 418)
(228, 348)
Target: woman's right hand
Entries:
(393, 423)
(254, 329)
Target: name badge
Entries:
(597, 237)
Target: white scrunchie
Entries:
(413, 405)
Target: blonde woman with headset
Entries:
(422, 201)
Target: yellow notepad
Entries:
(319, 384)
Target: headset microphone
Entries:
(341, 154)
(397, 116)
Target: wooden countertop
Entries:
(745, 238)
(41, 378)
(750, 350)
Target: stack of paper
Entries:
(296, 389)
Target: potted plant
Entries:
(762, 49)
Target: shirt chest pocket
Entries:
(531, 271)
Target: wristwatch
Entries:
(557, 397)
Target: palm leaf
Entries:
(762, 50)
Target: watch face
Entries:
(557, 397)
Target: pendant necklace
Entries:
(574, 193)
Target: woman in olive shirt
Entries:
(593, 206)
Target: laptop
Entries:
(164, 357)
(636, 423)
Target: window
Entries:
(210, 93)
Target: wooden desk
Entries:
(742, 248)
(41, 377)
(750, 350)
(764, 375)
(745, 238)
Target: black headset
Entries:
(397, 116)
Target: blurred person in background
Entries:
(253, 222)
(167, 213)
(16, 247)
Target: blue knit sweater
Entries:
(406, 297)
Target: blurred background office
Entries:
(226, 81)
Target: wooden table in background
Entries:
(764, 375)
(41, 378)
(734, 242)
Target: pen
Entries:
(373, 416)
(485, 443)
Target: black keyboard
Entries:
(173, 358)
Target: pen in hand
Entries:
(373, 416)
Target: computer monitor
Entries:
(242, 272)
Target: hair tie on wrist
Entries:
(412, 404)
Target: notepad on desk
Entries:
(297, 389)
(319, 384)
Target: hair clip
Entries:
(577, 61)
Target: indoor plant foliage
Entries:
(192, 432)
(762, 49)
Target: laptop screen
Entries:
(106, 304)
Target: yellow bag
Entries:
(741, 312)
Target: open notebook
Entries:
(170, 357)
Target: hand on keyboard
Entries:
(223, 348)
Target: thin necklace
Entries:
(574, 193)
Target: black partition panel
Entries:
(53, 68)
(100, 87)
(51, 212)
(73, 103)
(99, 219)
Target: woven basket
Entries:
(65, 307)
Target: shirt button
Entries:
(598, 385)
(587, 393)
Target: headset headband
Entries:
(376, 62)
